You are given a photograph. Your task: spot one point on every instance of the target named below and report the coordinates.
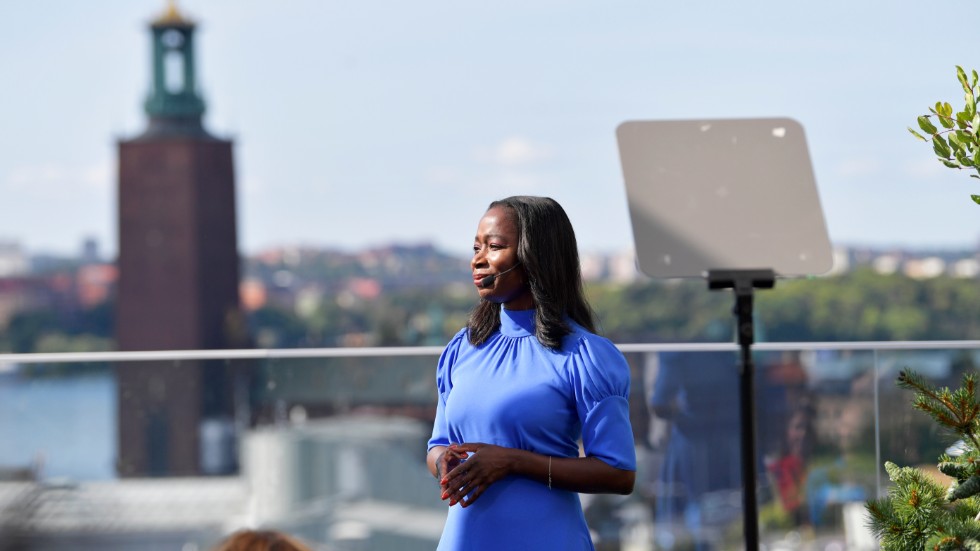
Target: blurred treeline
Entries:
(858, 306)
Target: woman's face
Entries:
(495, 251)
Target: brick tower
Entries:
(178, 271)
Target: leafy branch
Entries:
(957, 143)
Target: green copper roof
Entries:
(174, 86)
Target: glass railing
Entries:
(173, 450)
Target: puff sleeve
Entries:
(444, 384)
(601, 384)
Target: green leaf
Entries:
(917, 135)
(962, 78)
(976, 199)
(950, 164)
(947, 109)
(973, 81)
(940, 146)
(926, 125)
(958, 153)
(954, 141)
(963, 120)
(976, 123)
(965, 138)
(946, 121)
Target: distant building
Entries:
(253, 294)
(616, 267)
(90, 251)
(13, 260)
(95, 284)
(22, 294)
(886, 264)
(623, 268)
(966, 268)
(593, 266)
(925, 268)
(178, 269)
(841, 262)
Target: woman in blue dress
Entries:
(520, 386)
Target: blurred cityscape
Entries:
(76, 292)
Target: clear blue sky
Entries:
(361, 123)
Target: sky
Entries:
(358, 124)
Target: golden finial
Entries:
(172, 16)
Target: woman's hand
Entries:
(441, 460)
(465, 471)
(466, 481)
(448, 460)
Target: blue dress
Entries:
(512, 391)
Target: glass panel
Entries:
(817, 443)
(693, 466)
(815, 447)
(333, 450)
(910, 438)
(337, 451)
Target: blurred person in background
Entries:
(700, 480)
(789, 468)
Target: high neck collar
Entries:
(517, 323)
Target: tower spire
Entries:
(178, 273)
(171, 15)
(174, 105)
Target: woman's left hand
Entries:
(485, 465)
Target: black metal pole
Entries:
(750, 508)
(744, 282)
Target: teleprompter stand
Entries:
(717, 199)
(744, 283)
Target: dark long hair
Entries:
(547, 250)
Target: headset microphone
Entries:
(490, 279)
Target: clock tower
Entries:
(178, 272)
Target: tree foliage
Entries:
(51, 330)
(865, 306)
(918, 512)
(956, 141)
